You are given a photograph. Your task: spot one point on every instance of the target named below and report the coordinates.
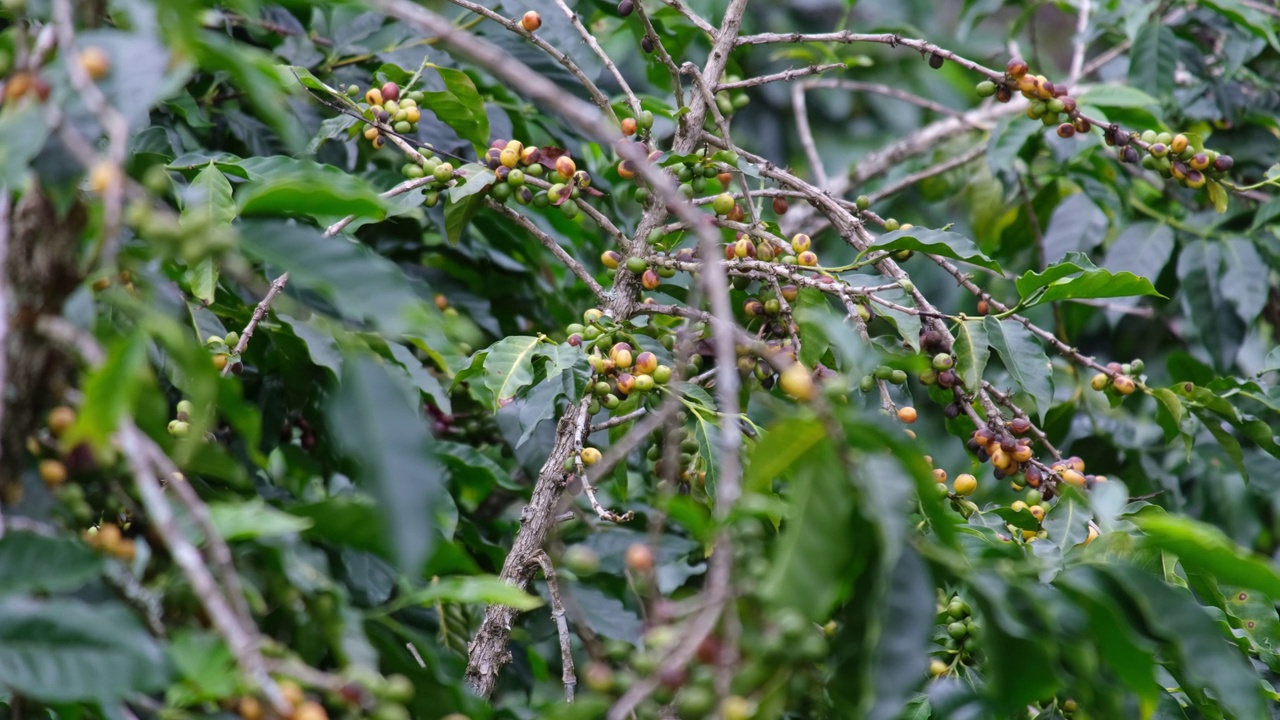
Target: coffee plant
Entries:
(658, 359)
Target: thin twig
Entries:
(590, 40)
(1081, 41)
(978, 150)
(800, 109)
(113, 123)
(881, 89)
(601, 100)
(562, 627)
(782, 76)
(693, 17)
(259, 312)
(549, 243)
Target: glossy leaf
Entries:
(972, 350)
(943, 243)
(1023, 357)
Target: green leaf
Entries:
(1202, 656)
(363, 285)
(1023, 357)
(254, 519)
(1153, 58)
(817, 557)
(1254, 20)
(461, 107)
(255, 75)
(972, 350)
(465, 200)
(936, 242)
(1244, 278)
(508, 367)
(205, 663)
(22, 136)
(66, 650)
(1129, 655)
(111, 391)
(477, 589)
(391, 447)
(1144, 248)
(778, 449)
(348, 520)
(322, 195)
(203, 279)
(1007, 141)
(1204, 548)
(1118, 96)
(1168, 412)
(207, 200)
(468, 465)
(1076, 277)
(31, 562)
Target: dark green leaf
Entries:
(1206, 549)
(1023, 357)
(391, 448)
(1153, 58)
(69, 651)
(31, 562)
(361, 284)
(254, 519)
(461, 107)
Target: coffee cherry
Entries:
(373, 96)
(178, 428)
(1016, 67)
(60, 419)
(309, 710)
(1223, 163)
(796, 381)
(891, 225)
(628, 124)
(443, 173)
(53, 473)
(626, 7)
(1071, 476)
(590, 456)
(1125, 385)
(1179, 143)
(647, 44)
(943, 361)
(96, 62)
(1100, 382)
(936, 61)
(986, 88)
(800, 242)
(907, 414)
(650, 280)
(637, 264)
(611, 259)
(1066, 130)
(780, 206)
(639, 558)
(807, 259)
(966, 484)
(790, 293)
(1195, 179)
(531, 21)
(1020, 426)
(566, 167)
(723, 203)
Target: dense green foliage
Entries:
(228, 490)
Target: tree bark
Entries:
(42, 272)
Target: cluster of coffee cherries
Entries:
(368, 694)
(1010, 456)
(387, 106)
(1175, 156)
(694, 176)
(623, 377)
(798, 252)
(957, 633)
(180, 425)
(1049, 102)
(650, 277)
(221, 349)
(1119, 378)
(689, 465)
(109, 538)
